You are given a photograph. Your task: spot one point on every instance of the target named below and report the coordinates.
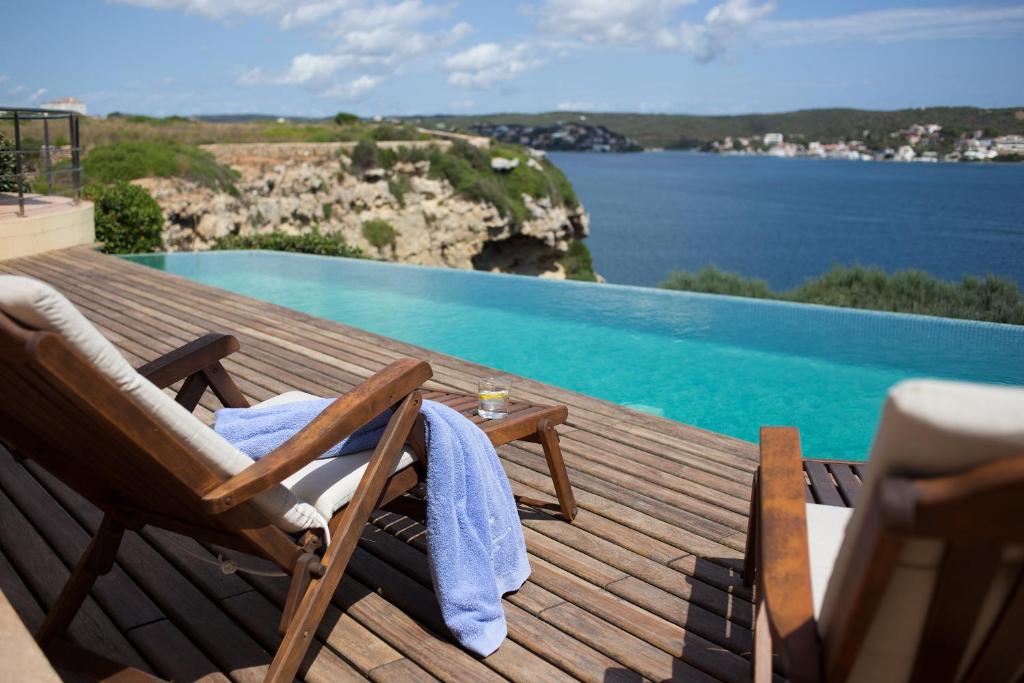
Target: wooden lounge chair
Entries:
(924, 579)
(71, 402)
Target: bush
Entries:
(990, 298)
(578, 263)
(123, 161)
(387, 131)
(328, 209)
(399, 185)
(379, 233)
(365, 155)
(128, 219)
(9, 181)
(711, 280)
(343, 118)
(308, 243)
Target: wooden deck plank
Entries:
(644, 584)
(822, 486)
(847, 481)
(44, 574)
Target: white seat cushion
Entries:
(928, 428)
(41, 307)
(826, 527)
(329, 483)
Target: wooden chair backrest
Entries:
(975, 618)
(62, 412)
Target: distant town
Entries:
(927, 143)
(560, 137)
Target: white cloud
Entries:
(305, 14)
(37, 95)
(897, 25)
(723, 26)
(354, 89)
(375, 40)
(606, 21)
(486, 64)
(211, 9)
(651, 23)
(4, 78)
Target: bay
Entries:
(786, 220)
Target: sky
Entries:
(405, 57)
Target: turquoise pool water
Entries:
(722, 363)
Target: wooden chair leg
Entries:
(98, 560)
(548, 438)
(346, 528)
(750, 553)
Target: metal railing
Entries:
(32, 163)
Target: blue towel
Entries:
(475, 542)
(258, 431)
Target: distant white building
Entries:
(67, 104)
(1009, 144)
(773, 139)
(905, 153)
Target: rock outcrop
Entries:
(295, 188)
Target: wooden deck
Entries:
(644, 584)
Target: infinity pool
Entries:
(722, 363)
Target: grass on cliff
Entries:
(308, 243)
(991, 298)
(578, 263)
(128, 160)
(468, 170)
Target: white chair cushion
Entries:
(329, 483)
(928, 428)
(39, 306)
(826, 527)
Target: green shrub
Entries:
(387, 131)
(365, 155)
(307, 243)
(128, 160)
(128, 219)
(468, 170)
(379, 233)
(711, 280)
(9, 181)
(399, 185)
(343, 118)
(578, 263)
(990, 298)
(328, 210)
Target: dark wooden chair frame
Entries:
(975, 512)
(59, 410)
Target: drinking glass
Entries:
(494, 393)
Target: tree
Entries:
(343, 118)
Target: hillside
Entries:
(685, 130)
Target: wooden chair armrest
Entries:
(783, 571)
(340, 419)
(188, 359)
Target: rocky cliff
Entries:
(295, 188)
